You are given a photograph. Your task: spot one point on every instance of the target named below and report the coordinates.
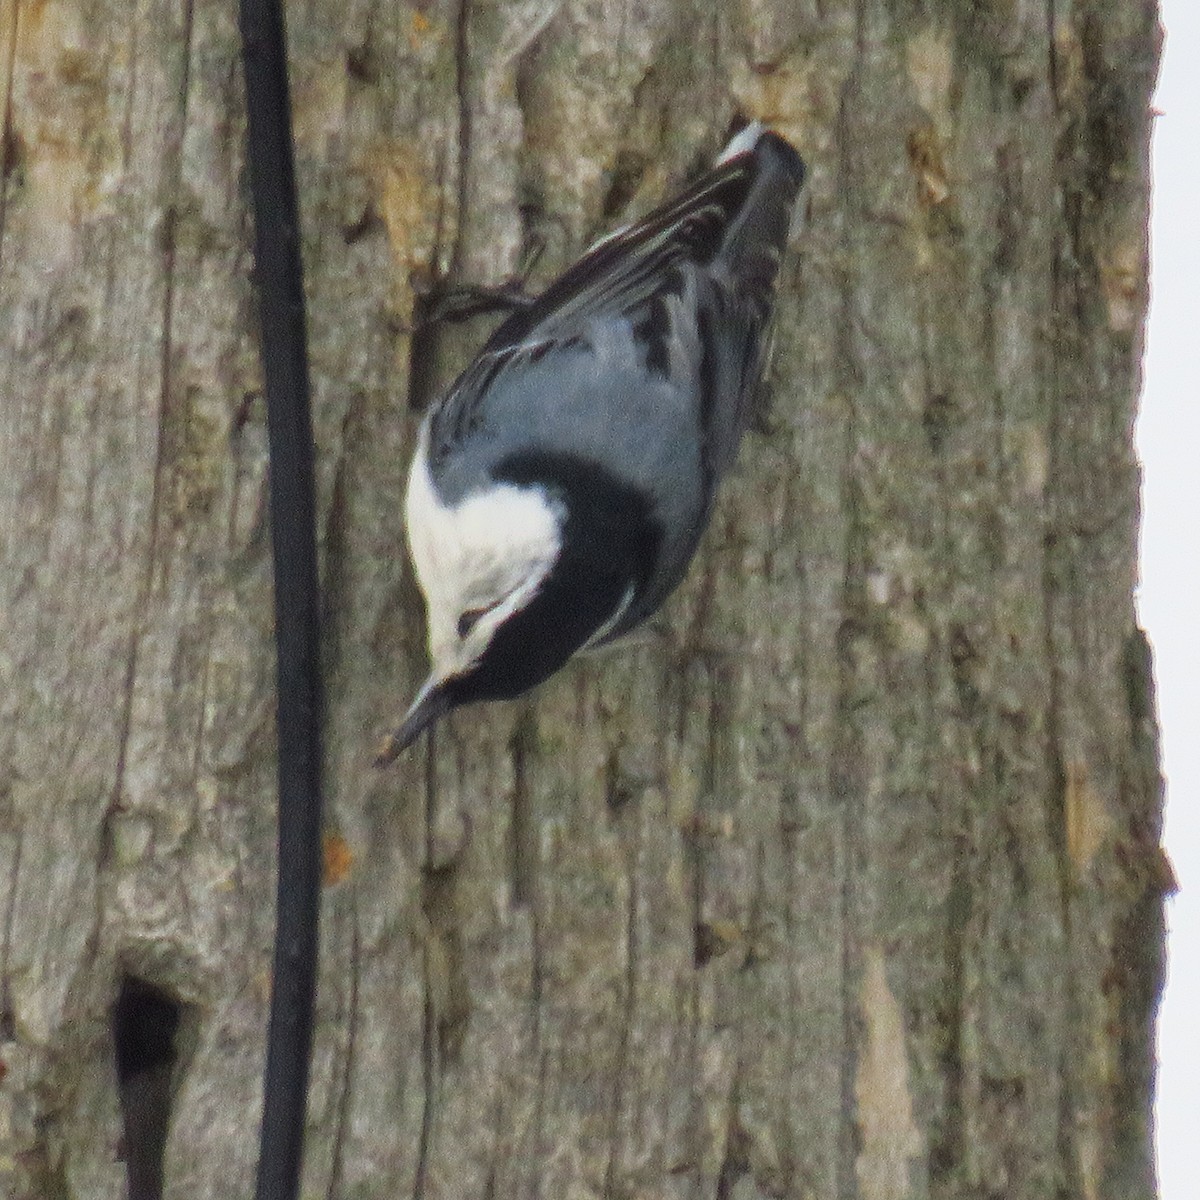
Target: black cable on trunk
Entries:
(280, 281)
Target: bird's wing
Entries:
(619, 273)
(624, 272)
(624, 268)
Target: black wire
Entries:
(297, 633)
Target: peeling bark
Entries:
(845, 879)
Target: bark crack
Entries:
(7, 1015)
(621, 1065)
(523, 863)
(345, 1100)
(429, 1031)
(462, 50)
(1051, 27)
(130, 91)
(847, 761)
(8, 143)
(146, 586)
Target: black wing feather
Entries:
(625, 267)
(618, 273)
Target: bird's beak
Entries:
(432, 702)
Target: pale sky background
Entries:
(1168, 436)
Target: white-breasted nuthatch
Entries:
(560, 488)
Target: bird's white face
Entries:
(477, 562)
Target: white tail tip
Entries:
(741, 142)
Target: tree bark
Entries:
(845, 880)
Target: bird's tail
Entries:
(757, 233)
(765, 175)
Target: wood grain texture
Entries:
(842, 881)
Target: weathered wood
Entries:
(844, 880)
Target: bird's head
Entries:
(480, 563)
(517, 576)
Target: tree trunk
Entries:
(845, 880)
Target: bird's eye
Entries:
(470, 619)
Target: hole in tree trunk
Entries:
(145, 1022)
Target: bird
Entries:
(560, 487)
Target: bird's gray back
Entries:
(590, 397)
(642, 359)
